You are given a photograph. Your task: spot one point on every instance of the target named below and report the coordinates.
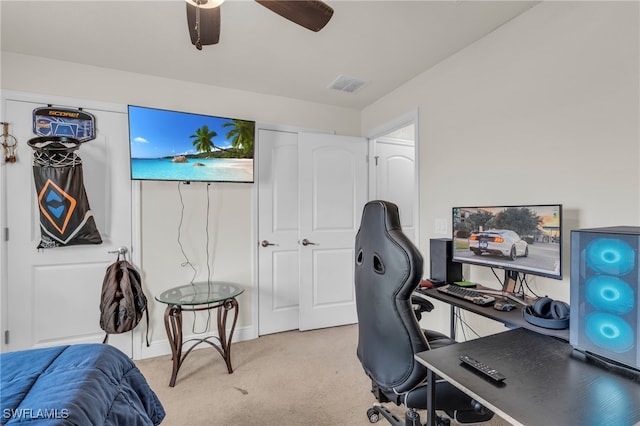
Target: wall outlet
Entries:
(441, 227)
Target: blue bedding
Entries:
(87, 384)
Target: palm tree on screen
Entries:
(203, 139)
(241, 135)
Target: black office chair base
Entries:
(475, 413)
(411, 417)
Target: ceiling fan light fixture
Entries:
(203, 17)
(205, 4)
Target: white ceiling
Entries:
(385, 43)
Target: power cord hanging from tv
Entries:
(206, 230)
(207, 249)
(188, 263)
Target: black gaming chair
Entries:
(388, 268)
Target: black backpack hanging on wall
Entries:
(122, 301)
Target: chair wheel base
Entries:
(443, 421)
(411, 417)
(374, 413)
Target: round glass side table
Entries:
(200, 296)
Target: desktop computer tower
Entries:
(605, 280)
(441, 266)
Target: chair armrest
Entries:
(420, 305)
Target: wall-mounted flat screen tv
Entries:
(179, 146)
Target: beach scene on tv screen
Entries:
(172, 145)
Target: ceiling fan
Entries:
(203, 16)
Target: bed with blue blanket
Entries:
(86, 384)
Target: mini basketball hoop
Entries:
(66, 122)
(55, 151)
(65, 216)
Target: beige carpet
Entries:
(292, 378)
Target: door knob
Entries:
(266, 243)
(306, 242)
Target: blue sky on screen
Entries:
(156, 133)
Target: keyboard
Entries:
(467, 294)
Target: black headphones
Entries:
(548, 313)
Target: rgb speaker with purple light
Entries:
(605, 319)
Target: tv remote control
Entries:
(492, 373)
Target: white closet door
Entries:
(53, 295)
(278, 268)
(313, 187)
(333, 191)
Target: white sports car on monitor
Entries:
(501, 242)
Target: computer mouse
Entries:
(426, 284)
(503, 306)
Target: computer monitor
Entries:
(523, 239)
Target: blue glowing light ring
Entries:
(609, 332)
(609, 294)
(610, 256)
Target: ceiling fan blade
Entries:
(311, 14)
(209, 25)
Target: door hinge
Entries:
(6, 337)
(376, 158)
(5, 234)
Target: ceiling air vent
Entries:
(344, 83)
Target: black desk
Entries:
(546, 384)
(512, 319)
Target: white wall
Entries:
(543, 110)
(232, 210)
